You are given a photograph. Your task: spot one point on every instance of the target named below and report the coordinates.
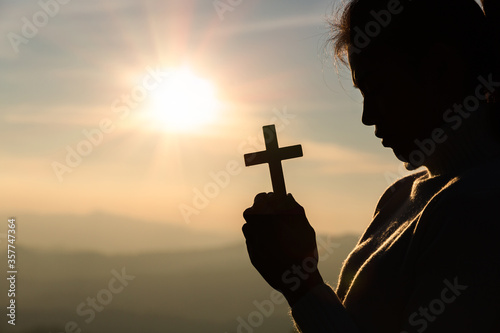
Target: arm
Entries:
(320, 311)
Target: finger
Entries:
(260, 206)
(253, 215)
(246, 231)
(255, 231)
(291, 201)
(248, 214)
(260, 198)
(271, 203)
(293, 206)
(260, 217)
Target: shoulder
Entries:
(464, 214)
(392, 200)
(476, 187)
(399, 190)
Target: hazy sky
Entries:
(67, 71)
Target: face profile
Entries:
(413, 94)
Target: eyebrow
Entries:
(359, 79)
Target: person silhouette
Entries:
(430, 259)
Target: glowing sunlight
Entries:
(184, 102)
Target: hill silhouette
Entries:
(208, 290)
(111, 234)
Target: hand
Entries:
(282, 245)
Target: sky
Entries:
(94, 117)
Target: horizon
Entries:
(119, 235)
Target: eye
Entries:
(365, 88)
(373, 88)
(363, 93)
(366, 91)
(360, 90)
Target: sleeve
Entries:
(320, 311)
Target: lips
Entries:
(386, 142)
(379, 134)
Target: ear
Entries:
(442, 71)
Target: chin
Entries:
(410, 167)
(403, 156)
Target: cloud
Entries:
(275, 24)
(333, 159)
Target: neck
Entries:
(472, 143)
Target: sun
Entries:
(183, 102)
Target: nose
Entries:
(369, 112)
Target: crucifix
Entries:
(273, 155)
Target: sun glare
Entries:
(184, 102)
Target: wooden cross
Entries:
(273, 155)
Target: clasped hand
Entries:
(281, 245)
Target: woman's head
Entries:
(413, 60)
